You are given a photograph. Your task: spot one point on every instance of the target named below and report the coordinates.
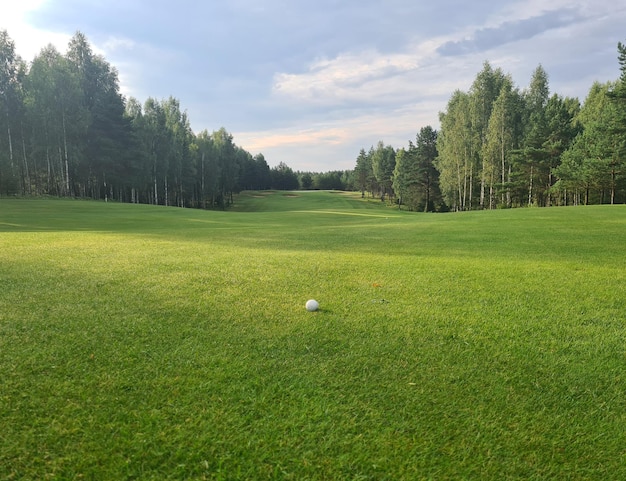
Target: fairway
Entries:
(144, 342)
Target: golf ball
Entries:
(312, 305)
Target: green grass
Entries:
(141, 342)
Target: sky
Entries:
(310, 83)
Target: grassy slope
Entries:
(154, 343)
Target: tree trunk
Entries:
(67, 164)
(26, 180)
(202, 185)
(49, 168)
(61, 175)
(612, 185)
(483, 182)
(156, 195)
(426, 207)
(503, 167)
(508, 190)
(154, 174)
(549, 193)
(459, 187)
(10, 139)
(530, 187)
(471, 188)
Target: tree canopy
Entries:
(66, 130)
(502, 146)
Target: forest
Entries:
(67, 131)
(500, 147)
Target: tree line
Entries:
(65, 130)
(499, 146)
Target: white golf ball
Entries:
(312, 305)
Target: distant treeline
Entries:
(65, 130)
(501, 147)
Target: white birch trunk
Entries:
(67, 164)
(530, 187)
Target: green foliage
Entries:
(383, 164)
(11, 114)
(144, 342)
(332, 180)
(621, 59)
(306, 181)
(79, 137)
(364, 173)
(592, 169)
(499, 147)
(284, 178)
(456, 153)
(415, 178)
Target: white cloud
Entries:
(369, 77)
(334, 144)
(381, 78)
(419, 70)
(371, 96)
(525, 9)
(338, 77)
(114, 44)
(29, 40)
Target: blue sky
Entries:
(310, 83)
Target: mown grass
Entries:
(141, 342)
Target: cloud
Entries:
(341, 78)
(507, 32)
(334, 144)
(28, 39)
(143, 68)
(114, 44)
(310, 83)
(369, 78)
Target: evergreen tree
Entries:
(427, 196)
(531, 166)
(284, 178)
(594, 163)
(363, 172)
(415, 178)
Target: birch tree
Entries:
(404, 174)
(455, 152)
(59, 119)
(502, 133)
(483, 93)
(180, 169)
(383, 164)
(10, 79)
